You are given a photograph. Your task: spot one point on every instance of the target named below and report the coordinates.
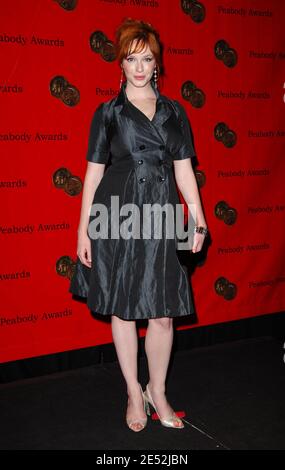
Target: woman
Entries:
(146, 135)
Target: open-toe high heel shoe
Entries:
(141, 421)
(173, 421)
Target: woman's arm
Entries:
(187, 184)
(93, 176)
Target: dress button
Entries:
(161, 178)
(162, 147)
(142, 147)
(140, 162)
(142, 180)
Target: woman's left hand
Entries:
(198, 241)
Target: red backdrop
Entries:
(236, 112)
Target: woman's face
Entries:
(139, 66)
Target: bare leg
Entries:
(158, 345)
(126, 343)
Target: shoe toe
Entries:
(177, 422)
(135, 425)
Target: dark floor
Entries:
(233, 396)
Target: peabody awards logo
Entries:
(196, 10)
(225, 53)
(67, 4)
(226, 213)
(100, 44)
(65, 266)
(63, 179)
(225, 135)
(62, 89)
(225, 288)
(194, 95)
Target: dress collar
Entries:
(125, 108)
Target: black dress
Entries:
(135, 278)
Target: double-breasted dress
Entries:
(135, 277)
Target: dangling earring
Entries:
(121, 81)
(155, 76)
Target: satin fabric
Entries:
(136, 278)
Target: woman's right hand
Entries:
(84, 249)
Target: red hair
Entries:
(130, 30)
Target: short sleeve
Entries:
(98, 144)
(186, 148)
